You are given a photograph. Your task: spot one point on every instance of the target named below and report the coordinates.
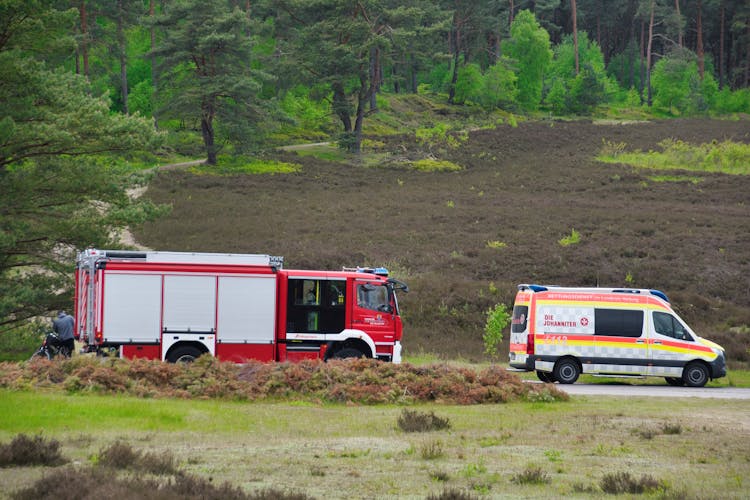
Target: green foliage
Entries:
(678, 86)
(469, 84)
(498, 319)
(577, 93)
(572, 239)
(727, 101)
(529, 47)
(432, 165)
(56, 196)
(19, 343)
(499, 86)
(241, 165)
(728, 157)
(438, 137)
(204, 73)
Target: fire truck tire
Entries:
(695, 375)
(185, 354)
(674, 381)
(545, 377)
(566, 371)
(348, 352)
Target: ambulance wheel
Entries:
(566, 371)
(185, 354)
(545, 377)
(695, 375)
(674, 381)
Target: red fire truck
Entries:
(176, 306)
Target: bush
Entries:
(531, 475)
(622, 482)
(99, 483)
(497, 319)
(363, 381)
(121, 455)
(414, 421)
(452, 494)
(24, 450)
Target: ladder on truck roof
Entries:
(89, 256)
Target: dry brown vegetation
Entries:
(361, 381)
(523, 189)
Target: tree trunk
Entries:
(649, 100)
(84, 39)
(512, 14)
(575, 33)
(152, 13)
(207, 130)
(374, 77)
(699, 42)
(643, 66)
(721, 47)
(121, 46)
(679, 20)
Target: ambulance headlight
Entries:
(718, 352)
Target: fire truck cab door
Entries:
(374, 311)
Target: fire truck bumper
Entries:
(396, 352)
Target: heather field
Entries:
(465, 217)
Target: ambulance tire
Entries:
(674, 381)
(566, 371)
(545, 377)
(185, 354)
(695, 375)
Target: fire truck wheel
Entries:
(348, 352)
(184, 355)
(566, 371)
(545, 377)
(674, 381)
(695, 375)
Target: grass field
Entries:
(690, 448)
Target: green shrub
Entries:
(432, 165)
(574, 238)
(498, 318)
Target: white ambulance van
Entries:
(563, 332)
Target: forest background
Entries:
(95, 93)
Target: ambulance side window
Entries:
(666, 324)
(520, 318)
(618, 322)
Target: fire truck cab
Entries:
(176, 306)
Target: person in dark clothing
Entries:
(64, 325)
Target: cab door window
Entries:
(668, 325)
(373, 297)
